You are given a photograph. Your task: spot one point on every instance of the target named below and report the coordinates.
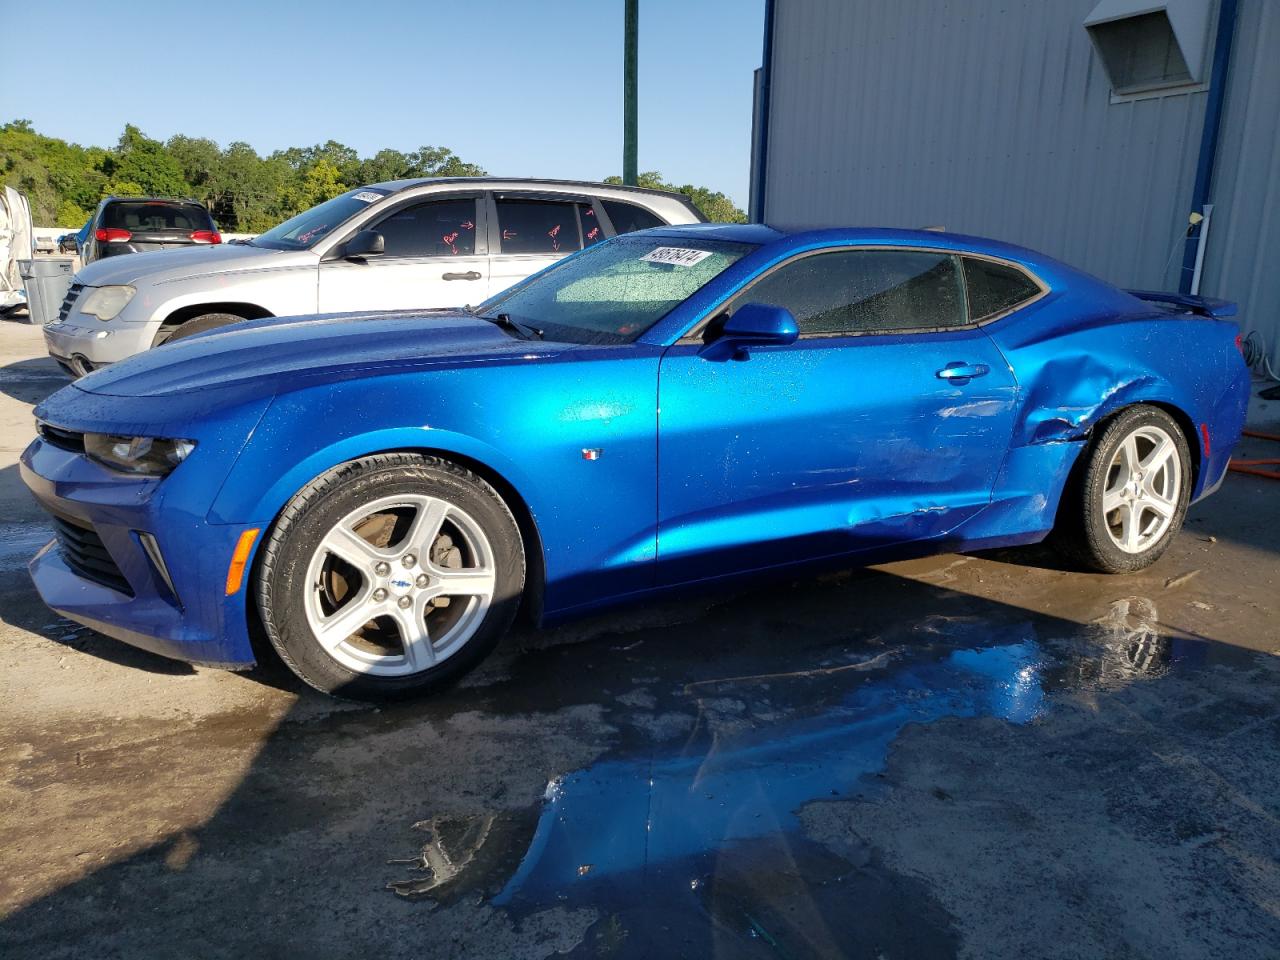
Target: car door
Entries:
(435, 255)
(532, 231)
(885, 422)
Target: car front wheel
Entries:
(1128, 502)
(390, 575)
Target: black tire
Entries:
(201, 324)
(1081, 531)
(281, 572)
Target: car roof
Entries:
(396, 186)
(800, 237)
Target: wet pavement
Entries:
(987, 756)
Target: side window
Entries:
(627, 217)
(865, 291)
(440, 228)
(538, 226)
(995, 287)
(591, 232)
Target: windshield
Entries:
(615, 291)
(300, 232)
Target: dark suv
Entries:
(140, 224)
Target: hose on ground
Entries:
(1255, 355)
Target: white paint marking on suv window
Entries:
(676, 256)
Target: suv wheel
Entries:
(200, 324)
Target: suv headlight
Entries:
(147, 456)
(105, 302)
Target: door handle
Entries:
(469, 275)
(960, 373)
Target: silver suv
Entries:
(400, 245)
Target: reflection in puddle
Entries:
(624, 815)
(691, 827)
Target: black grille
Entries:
(85, 553)
(72, 293)
(63, 439)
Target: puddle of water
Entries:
(34, 376)
(19, 543)
(705, 828)
(619, 817)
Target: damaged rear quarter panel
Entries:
(1074, 370)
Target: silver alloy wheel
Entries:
(405, 605)
(1144, 484)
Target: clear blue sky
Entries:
(530, 88)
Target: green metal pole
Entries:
(631, 30)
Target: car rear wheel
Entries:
(1128, 502)
(390, 575)
(201, 324)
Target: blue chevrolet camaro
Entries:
(377, 494)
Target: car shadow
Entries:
(31, 381)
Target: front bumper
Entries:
(81, 344)
(98, 571)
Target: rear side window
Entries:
(141, 216)
(628, 218)
(538, 226)
(441, 228)
(995, 287)
(865, 291)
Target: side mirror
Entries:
(366, 243)
(752, 325)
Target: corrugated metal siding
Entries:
(1242, 259)
(994, 117)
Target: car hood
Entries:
(276, 352)
(179, 263)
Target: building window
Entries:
(1150, 46)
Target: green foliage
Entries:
(715, 206)
(57, 177)
(142, 166)
(244, 191)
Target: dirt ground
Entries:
(978, 756)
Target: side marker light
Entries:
(239, 559)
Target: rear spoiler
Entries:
(1204, 306)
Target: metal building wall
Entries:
(994, 117)
(1242, 258)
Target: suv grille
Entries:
(73, 292)
(62, 439)
(86, 554)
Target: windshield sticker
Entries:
(366, 196)
(676, 256)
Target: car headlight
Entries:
(148, 456)
(105, 302)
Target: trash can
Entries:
(47, 280)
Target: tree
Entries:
(383, 165)
(61, 180)
(243, 190)
(715, 206)
(440, 162)
(140, 165)
(251, 189)
(200, 161)
(320, 182)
